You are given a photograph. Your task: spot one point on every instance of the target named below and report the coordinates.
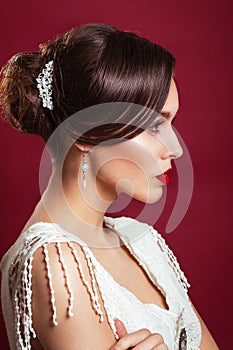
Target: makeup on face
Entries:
(164, 178)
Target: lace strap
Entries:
(172, 260)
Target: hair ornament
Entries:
(45, 79)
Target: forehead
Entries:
(172, 103)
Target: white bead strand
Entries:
(17, 322)
(29, 297)
(54, 310)
(93, 296)
(67, 281)
(93, 282)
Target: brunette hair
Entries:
(94, 63)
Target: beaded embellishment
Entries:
(183, 340)
(23, 293)
(67, 281)
(44, 80)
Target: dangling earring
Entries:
(84, 168)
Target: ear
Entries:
(83, 148)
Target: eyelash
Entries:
(156, 125)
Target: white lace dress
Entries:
(179, 325)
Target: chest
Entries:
(127, 272)
(131, 292)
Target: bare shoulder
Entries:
(68, 312)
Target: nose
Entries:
(171, 146)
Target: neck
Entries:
(78, 210)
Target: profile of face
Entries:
(133, 166)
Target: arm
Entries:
(81, 331)
(208, 342)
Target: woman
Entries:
(103, 100)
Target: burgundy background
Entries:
(199, 34)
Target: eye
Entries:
(154, 127)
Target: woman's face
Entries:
(133, 166)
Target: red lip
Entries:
(168, 171)
(164, 178)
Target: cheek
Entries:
(129, 168)
(116, 170)
(122, 176)
(136, 165)
(130, 160)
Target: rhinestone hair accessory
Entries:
(44, 80)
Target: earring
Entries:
(84, 168)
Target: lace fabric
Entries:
(148, 248)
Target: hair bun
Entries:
(19, 98)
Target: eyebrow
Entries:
(165, 114)
(168, 114)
